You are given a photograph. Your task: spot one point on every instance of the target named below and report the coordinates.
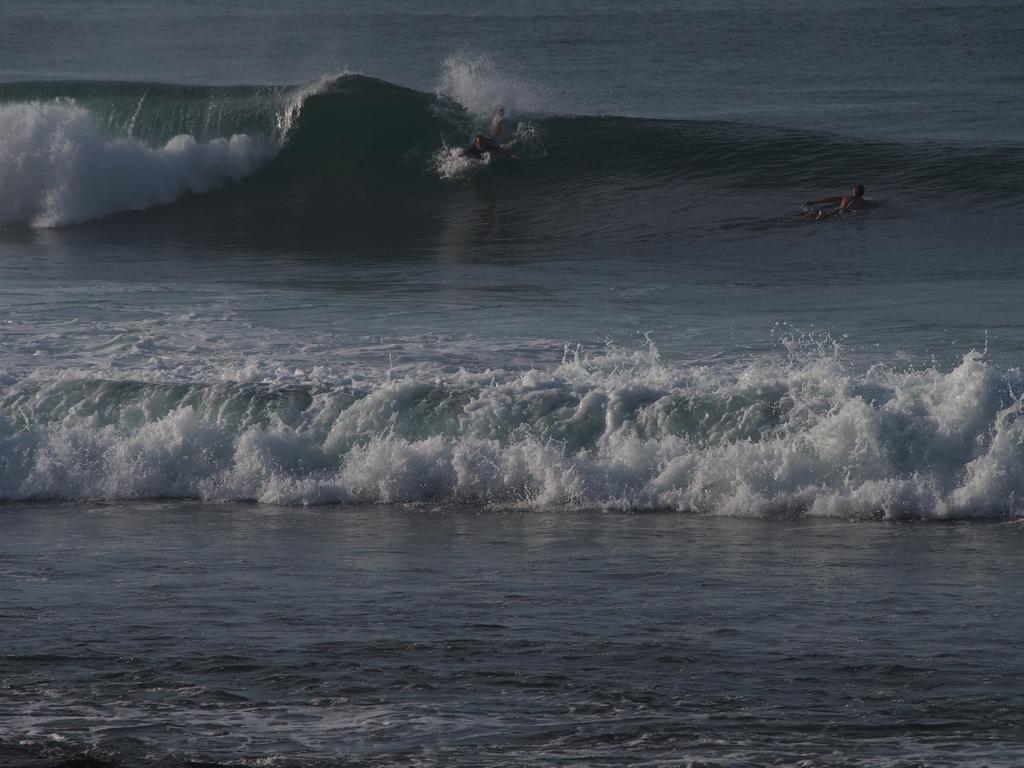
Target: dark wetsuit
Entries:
(473, 151)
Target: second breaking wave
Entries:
(804, 435)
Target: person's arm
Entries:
(498, 124)
(826, 200)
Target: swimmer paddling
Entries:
(855, 201)
(482, 144)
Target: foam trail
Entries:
(449, 164)
(57, 167)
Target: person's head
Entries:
(858, 190)
(480, 141)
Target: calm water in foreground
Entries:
(163, 634)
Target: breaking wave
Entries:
(75, 151)
(806, 435)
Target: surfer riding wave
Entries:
(484, 144)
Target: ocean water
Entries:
(183, 635)
(244, 286)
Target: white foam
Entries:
(450, 164)
(620, 431)
(57, 167)
(523, 139)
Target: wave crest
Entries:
(70, 152)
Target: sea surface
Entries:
(295, 405)
(197, 634)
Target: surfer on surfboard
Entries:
(855, 201)
(483, 144)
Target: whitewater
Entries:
(802, 436)
(63, 163)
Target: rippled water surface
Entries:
(167, 634)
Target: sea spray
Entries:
(481, 87)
